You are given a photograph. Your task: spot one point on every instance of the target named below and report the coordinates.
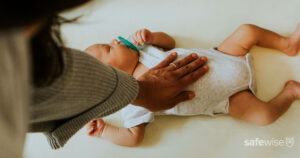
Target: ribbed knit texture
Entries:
(87, 89)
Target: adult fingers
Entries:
(170, 58)
(190, 67)
(183, 96)
(183, 61)
(194, 76)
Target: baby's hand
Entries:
(141, 37)
(95, 127)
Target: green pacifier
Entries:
(128, 44)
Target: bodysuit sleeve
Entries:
(87, 89)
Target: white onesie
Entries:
(227, 75)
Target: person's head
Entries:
(15, 13)
(116, 54)
(40, 15)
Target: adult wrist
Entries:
(140, 99)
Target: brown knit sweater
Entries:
(87, 89)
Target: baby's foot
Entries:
(294, 43)
(96, 127)
(292, 88)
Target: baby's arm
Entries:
(241, 41)
(118, 135)
(159, 39)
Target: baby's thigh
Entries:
(239, 42)
(244, 104)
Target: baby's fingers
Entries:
(135, 39)
(147, 36)
(90, 129)
(139, 37)
(91, 133)
(142, 36)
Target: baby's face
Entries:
(116, 54)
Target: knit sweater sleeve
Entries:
(87, 89)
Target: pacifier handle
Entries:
(128, 44)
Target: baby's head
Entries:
(116, 54)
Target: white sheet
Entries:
(194, 24)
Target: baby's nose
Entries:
(114, 41)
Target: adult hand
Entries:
(162, 87)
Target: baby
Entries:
(227, 88)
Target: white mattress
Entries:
(194, 24)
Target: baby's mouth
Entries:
(129, 44)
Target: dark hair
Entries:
(46, 45)
(15, 13)
(46, 51)
(47, 61)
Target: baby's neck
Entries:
(139, 70)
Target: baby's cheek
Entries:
(112, 63)
(117, 64)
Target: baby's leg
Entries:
(240, 42)
(118, 135)
(245, 106)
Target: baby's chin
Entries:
(131, 68)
